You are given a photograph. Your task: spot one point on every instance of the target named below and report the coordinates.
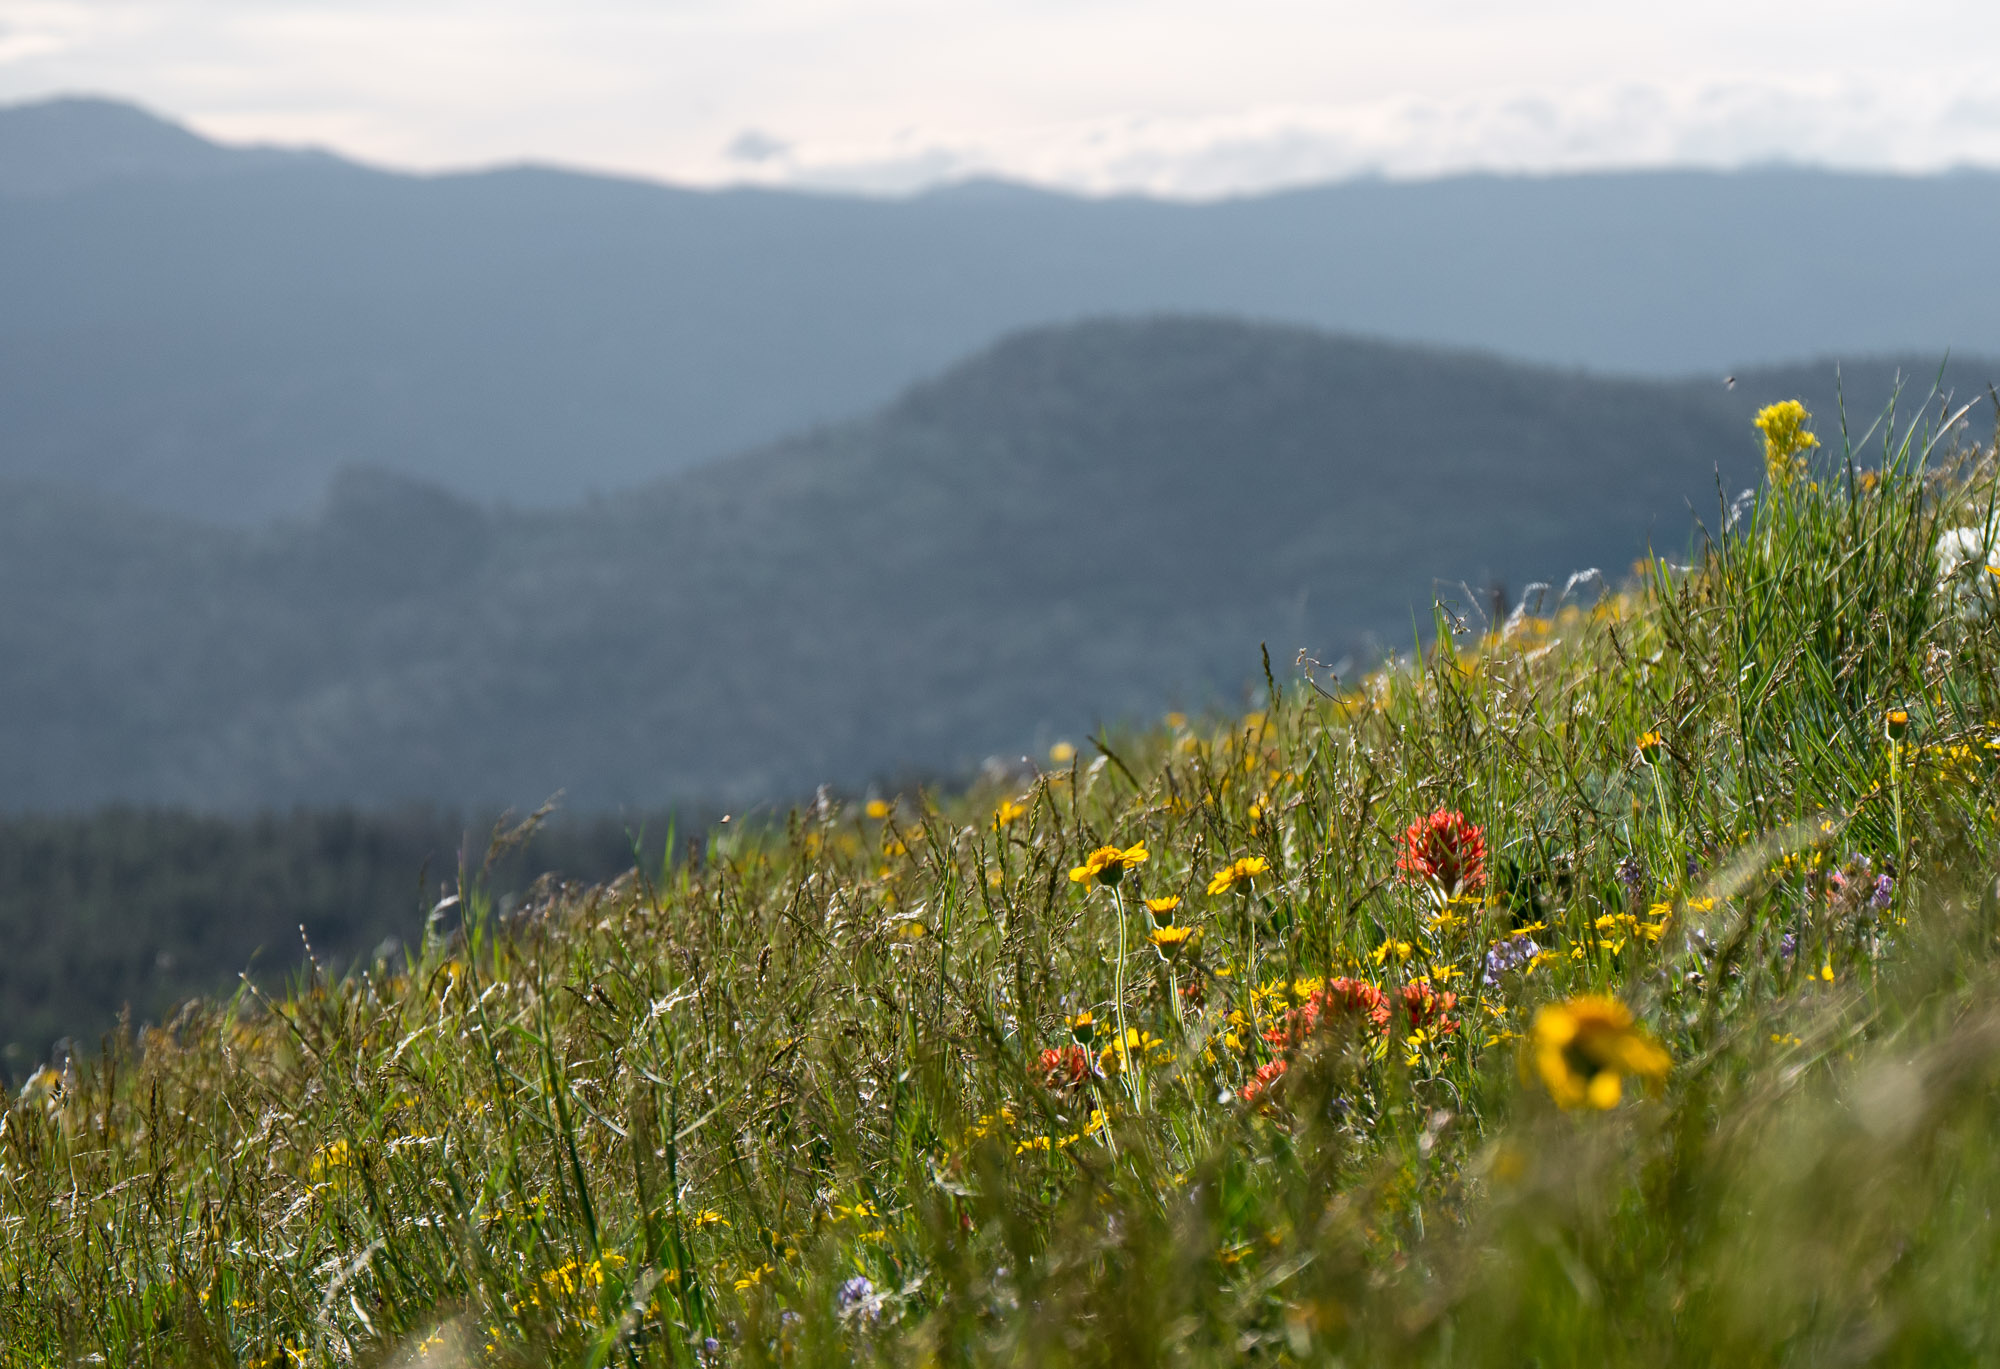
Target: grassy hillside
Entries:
(216, 331)
(1082, 524)
(1618, 987)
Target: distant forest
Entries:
(146, 908)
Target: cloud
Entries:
(753, 145)
(1846, 123)
(1168, 97)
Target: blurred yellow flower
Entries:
(1008, 811)
(1786, 440)
(1062, 753)
(878, 809)
(1237, 872)
(1108, 864)
(1142, 1047)
(1584, 1048)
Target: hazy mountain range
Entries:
(214, 331)
(1084, 523)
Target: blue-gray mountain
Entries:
(1082, 523)
(214, 331)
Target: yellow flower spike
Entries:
(1107, 864)
(1583, 1048)
(1786, 440)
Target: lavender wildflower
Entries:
(1632, 874)
(856, 1298)
(1788, 945)
(1507, 956)
(1885, 889)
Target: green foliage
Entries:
(793, 1103)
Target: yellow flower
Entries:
(330, 1160)
(1896, 722)
(1171, 941)
(1062, 753)
(1144, 1045)
(1786, 440)
(1402, 950)
(1162, 909)
(1229, 876)
(1649, 746)
(1007, 812)
(1584, 1048)
(878, 809)
(1083, 1027)
(708, 1216)
(1108, 864)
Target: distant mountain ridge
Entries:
(56, 147)
(1079, 524)
(219, 344)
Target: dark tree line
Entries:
(143, 908)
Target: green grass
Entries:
(783, 1103)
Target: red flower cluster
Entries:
(1342, 999)
(1259, 1088)
(1064, 1069)
(1446, 849)
(1426, 1006)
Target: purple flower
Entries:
(1885, 889)
(1632, 874)
(1788, 945)
(856, 1298)
(1507, 956)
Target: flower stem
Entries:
(1124, 1050)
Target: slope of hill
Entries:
(217, 345)
(1084, 523)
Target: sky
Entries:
(1166, 97)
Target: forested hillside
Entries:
(1080, 525)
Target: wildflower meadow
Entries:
(1616, 982)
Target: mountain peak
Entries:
(69, 143)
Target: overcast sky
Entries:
(1167, 96)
